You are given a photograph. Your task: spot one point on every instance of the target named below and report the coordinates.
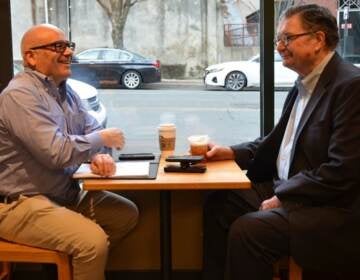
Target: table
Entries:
(219, 175)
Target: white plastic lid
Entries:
(199, 139)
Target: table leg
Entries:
(165, 234)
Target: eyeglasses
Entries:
(58, 46)
(286, 39)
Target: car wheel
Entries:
(235, 81)
(131, 79)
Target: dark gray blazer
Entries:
(322, 193)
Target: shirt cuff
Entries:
(95, 140)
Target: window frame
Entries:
(6, 56)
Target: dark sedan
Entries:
(104, 67)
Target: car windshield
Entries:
(88, 55)
(256, 58)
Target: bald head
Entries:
(39, 35)
(41, 51)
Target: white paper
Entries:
(124, 169)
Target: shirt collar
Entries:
(309, 81)
(49, 81)
(41, 76)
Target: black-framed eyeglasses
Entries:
(286, 39)
(58, 46)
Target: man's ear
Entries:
(30, 59)
(321, 37)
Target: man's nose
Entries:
(280, 46)
(68, 51)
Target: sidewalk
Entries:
(195, 82)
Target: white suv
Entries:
(90, 98)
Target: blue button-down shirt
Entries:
(45, 133)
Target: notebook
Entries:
(124, 170)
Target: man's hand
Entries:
(103, 165)
(112, 138)
(270, 203)
(219, 152)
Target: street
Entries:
(227, 117)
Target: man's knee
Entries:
(241, 227)
(263, 233)
(133, 215)
(93, 245)
(248, 229)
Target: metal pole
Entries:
(266, 66)
(346, 17)
(69, 19)
(165, 234)
(46, 11)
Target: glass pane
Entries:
(174, 40)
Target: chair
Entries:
(294, 271)
(12, 252)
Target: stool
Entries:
(13, 252)
(294, 271)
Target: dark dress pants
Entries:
(240, 239)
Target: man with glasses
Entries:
(45, 134)
(305, 199)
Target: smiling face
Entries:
(46, 60)
(303, 52)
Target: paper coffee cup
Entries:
(198, 144)
(167, 136)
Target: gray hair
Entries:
(316, 18)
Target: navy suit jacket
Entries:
(322, 193)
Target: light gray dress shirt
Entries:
(45, 133)
(305, 87)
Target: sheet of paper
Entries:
(124, 169)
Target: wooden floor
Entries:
(48, 272)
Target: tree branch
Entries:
(105, 5)
(132, 3)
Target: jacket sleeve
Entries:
(245, 152)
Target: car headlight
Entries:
(86, 104)
(92, 103)
(214, 70)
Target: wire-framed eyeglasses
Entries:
(287, 38)
(58, 46)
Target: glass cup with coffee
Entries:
(198, 144)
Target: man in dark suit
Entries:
(305, 199)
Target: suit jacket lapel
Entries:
(315, 98)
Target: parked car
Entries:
(235, 75)
(87, 93)
(115, 67)
(353, 58)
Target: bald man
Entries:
(45, 134)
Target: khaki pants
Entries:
(83, 230)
